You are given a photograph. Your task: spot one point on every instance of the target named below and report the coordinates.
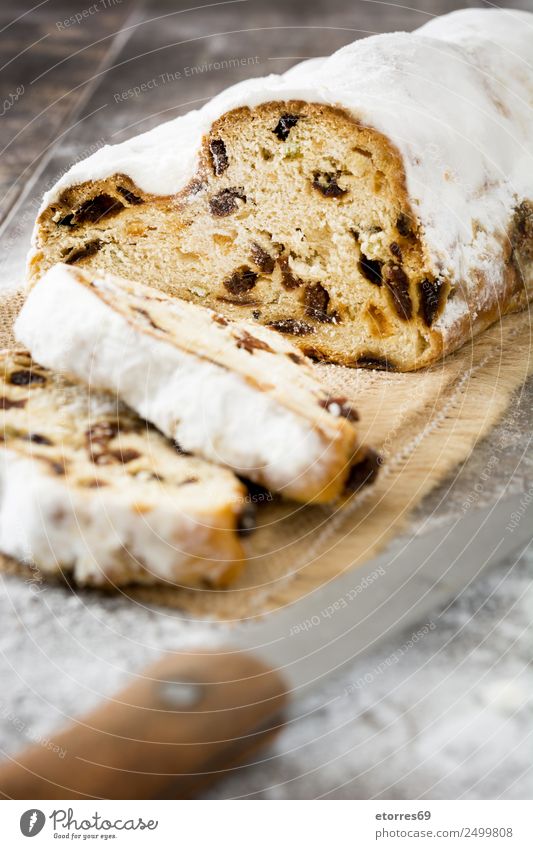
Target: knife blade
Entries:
(341, 621)
(191, 717)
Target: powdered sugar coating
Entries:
(455, 98)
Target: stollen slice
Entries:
(235, 393)
(89, 489)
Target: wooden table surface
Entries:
(77, 75)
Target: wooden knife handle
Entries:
(181, 724)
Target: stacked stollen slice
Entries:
(236, 393)
(88, 488)
(235, 398)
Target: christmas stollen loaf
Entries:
(235, 393)
(88, 489)
(375, 206)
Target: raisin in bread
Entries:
(88, 488)
(235, 393)
(376, 206)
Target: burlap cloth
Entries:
(424, 425)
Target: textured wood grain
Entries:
(48, 63)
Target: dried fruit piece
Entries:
(135, 200)
(219, 319)
(316, 300)
(93, 483)
(66, 221)
(372, 361)
(326, 183)
(522, 223)
(246, 521)
(396, 251)
(219, 156)
(315, 354)
(340, 406)
(102, 431)
(88, 249)
(57, 466)
(195, 187)
(101, 455)
(293, 326)
(262, 259)
(371, 269)
(396, 281)
(39, 439)
(430, 298)
(126, 455)
(93, 210)
(225, 202)
(250, 343)
(285, 125)
(288, 279)
(257, 493)
(404, 224)
(23, 377)
(242, 280)
(10, 403)
(364, 472)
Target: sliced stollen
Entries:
(375, 205)
(88, 488)
(233, 392)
